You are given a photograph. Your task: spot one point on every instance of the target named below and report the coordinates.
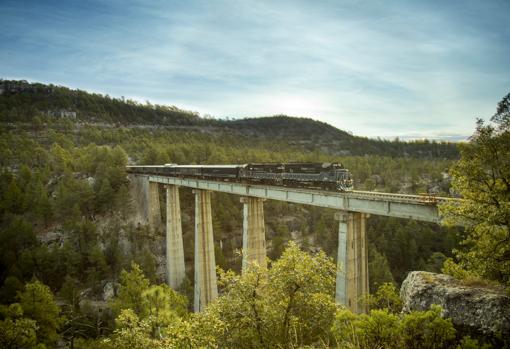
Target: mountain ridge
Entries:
(22, 101)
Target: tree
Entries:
(482, 177)
(131, 332)
(157, 306)
(289, 305)
(382, 329)
(38, 304)
(16, 331)
(133, 285)
(387, 298)
(379, 269)
(377, 330)
(162, 306)
(427, 330)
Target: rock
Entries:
(109, 290)
(482, 309)
(434, 189)
(52, 237)
(376, 178)
(91, 181)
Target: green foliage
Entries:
(162, 307)
(386, 298)
(455, 270)
(406, 245)
(132, 285)
(427, 329)
(470, 343)
(379, 268)
(39, 305)
(289, 305)
(482, 177)
(131, 332)
(16, 331)
(157, 306)
(381, 329)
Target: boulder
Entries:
(482, 309)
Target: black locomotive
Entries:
(330, 176)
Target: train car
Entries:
(263, 173)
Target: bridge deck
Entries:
(422, 208)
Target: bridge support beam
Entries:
(254, 232)
(352, 274)
(175, 270)
(206, 289)
(154, 209)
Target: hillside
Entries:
(21, 101)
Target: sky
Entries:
(407, 69)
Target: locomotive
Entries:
(328, 176)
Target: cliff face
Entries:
(484, 310)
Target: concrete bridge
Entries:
(353, 209)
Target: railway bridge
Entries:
(353, 209)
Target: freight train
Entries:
(328, 176)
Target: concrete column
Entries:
(175, 270)
(341, 273)
(254, 232)
(206, 289)
(145, 197)
(138, 187)
(154, 209)
(352, 275)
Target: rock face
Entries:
(481, 309)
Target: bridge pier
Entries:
(352, 274)
(254, 232)
(206, 289)
(154, 209)
(175, 269)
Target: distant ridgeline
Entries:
(21, 101)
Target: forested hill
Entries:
(21, 101)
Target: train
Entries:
(325, 176)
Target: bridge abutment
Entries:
(254, 232)
(175, 269)
(206, 289)
(352, 271)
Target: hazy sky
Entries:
(375, 68)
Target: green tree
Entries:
(379, 268)
(387, 298)
(132, 286)
(482, 177)
(427, 330)
(16, 331)
(377, 330)
(131, 332)
(289, 305)
(38, 304)
(162, 306)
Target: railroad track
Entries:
(423, 198)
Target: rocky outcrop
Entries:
(482, 309)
